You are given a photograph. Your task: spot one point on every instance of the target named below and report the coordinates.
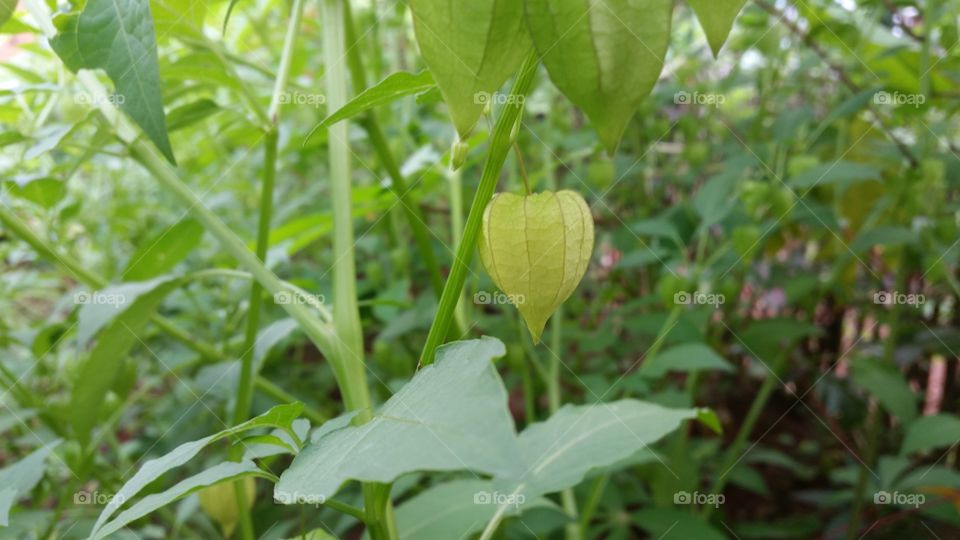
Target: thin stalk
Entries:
(500, 143)
(876, 415)
(78, 272)
(346, 313)
(759, 401)
(567, 497)
(455, 177)
(410, 206)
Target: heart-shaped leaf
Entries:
(716, 17)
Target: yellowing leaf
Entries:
(536, 249)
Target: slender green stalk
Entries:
(500, 143)
(732, 455)
(567, 496)
(408, 201)
(875, 417)
(346, 313)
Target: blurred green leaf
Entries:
(160, 255)
(716, 17)
(929, 432)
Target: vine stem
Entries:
(500, 143)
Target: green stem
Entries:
(77, 271)
(410, 206)
(500, 143)
(567, 497)
(732, 455)
(346, 313)
(876, 415)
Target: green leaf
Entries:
(117, 36)
(18, 479)
(456, 509)
(281, 416)
(471, 48)
(928, 432)
(669, 523)
(45, 191)
(604, 56)
(558, 453)
(394, 86)
(687, 357)
(888, 386)
(159, 255)
(839, 172)
(100, 308)
(7, 7)
(716, 18)
(224, 472)
(451, 416)
(888, 236)
(99, 371)
(191, 113)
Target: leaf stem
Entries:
(500, 144)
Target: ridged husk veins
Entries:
(536, 248)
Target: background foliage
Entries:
(776, 241)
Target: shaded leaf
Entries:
(160, 255)
(117, 36)
(687, 357)
(716, 18)
(928, 432)
(451, 416)
(19, 478)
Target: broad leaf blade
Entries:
(716, 18)
(117, 36)
(561, 451)
(687, 357)
(223, 472)
(281, 416)
(451, 416)
(119, 335)
(936, 431)
(18, 479)
(605, 56)
(160, 255)
(471, 48)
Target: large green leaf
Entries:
(223, 472)
(471, 48)
(281, 417)
(716, 17)
(159, 255)
(117, 36)
(453, 415)
(604, 55)
(937, 431)
(686, 357)
(7, 7)
(120, 334)
(454, 509)
(560, 452)
(18, 479)
(888, 386)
